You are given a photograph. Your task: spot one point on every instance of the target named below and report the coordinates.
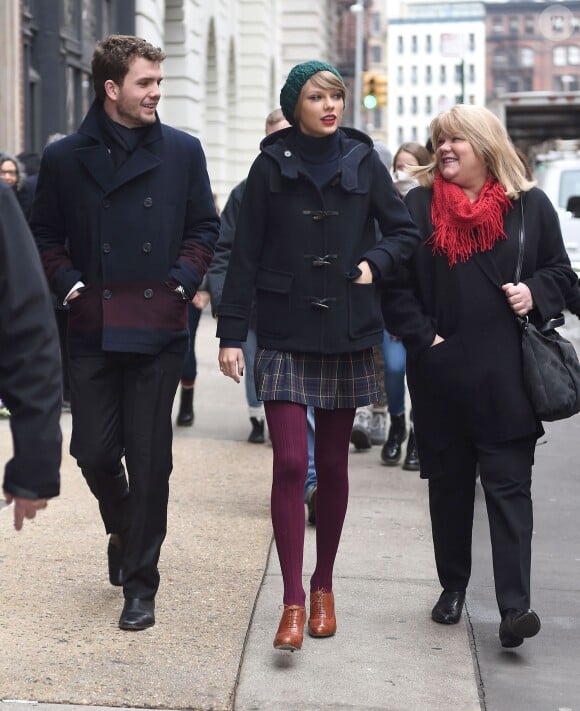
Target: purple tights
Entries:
(287, 426)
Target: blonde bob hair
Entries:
(322, 80)
(490, 142)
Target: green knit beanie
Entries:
(298, 76)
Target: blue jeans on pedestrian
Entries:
(249, 350)
(395, 359)
(311, 474)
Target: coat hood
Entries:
(355, 146)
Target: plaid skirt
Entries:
(329, 381)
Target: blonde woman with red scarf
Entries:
(456, 314)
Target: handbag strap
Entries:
(522, 239)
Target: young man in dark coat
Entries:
(32, 392)
(126, 225)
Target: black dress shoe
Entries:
(137, 614)
(115, 558)
(448, 609)
(517, 625)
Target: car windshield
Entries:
(569, 186)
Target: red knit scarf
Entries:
(463, 227)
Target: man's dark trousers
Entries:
(121, 406)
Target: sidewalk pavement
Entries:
(219, 602)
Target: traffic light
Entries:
(375, 88)
(369, 98)
(381, 85)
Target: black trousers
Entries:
(121, 407)
(505, 471)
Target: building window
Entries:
(400, 106)
(471, 42)
(428, 105)
(526, 57)
(400, 135)
(529, 24)
(559, 58)
(527, 84)
(413, 74)
(513, 84)
(400, 76)
(471, 73)
(414, 46)
(400, 44)
(499, 59)
(497, 25)
(566, 82)
(377, 120)
(428, 74)
(574, 54)
(557, 23)
(459, 68)
(413, 104)
(375, 23)
(414, 134)
(376, 54)
(514, 24)
(442, 74)
(428, 44)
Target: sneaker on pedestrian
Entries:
(4, 411)
(378, 427)
(361, 429)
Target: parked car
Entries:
(559, 178)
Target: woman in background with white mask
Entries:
(408, 155)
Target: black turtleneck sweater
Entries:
(320, 155)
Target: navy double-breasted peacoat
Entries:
(130, 234)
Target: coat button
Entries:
(106, 248)
(107, 294)
(146, 248)
(148, 202)
(287, 154)
(148, 293)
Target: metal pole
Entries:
(357, 9)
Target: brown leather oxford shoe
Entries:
(322, 620)
(291, 629)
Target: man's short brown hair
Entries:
(113, 57)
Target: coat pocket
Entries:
(364, 310)
(273, 299)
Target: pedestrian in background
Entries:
(30, 381)
(215, 279)
(216, 274)
(126, 225)
(12, 173)
(457, 316)
(306, 246)
(185, 414)
(407, 155)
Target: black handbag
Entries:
(550, 363)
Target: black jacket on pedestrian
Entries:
(472, 383)
(30, 373)
(299, 247)
(131, 232)
(216, 273)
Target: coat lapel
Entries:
(98, 163)
(139, 162)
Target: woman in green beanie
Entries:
(306, 245)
